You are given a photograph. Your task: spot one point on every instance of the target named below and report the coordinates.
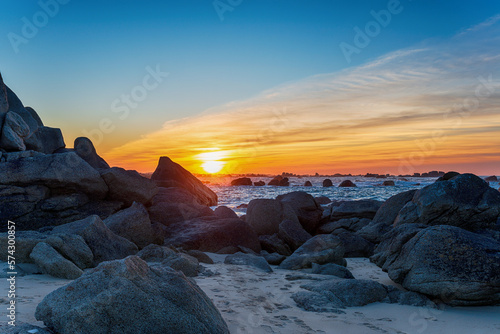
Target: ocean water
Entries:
(367, 188)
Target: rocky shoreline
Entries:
(131, 246)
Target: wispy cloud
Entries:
(360, 119)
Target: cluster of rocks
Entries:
(74, 212)
(278, 181)
(441, 242)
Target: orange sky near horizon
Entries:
(432, 107)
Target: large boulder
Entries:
(224, 212)
(388, 250)
(331, 269)
(52, 263)
(15, 105)
(64, 172)
(173, 205)
(356, 246)
(171, 174)
(211, 234)
(452, 264)
(265, 215)
(105, 245)
(274, 244)
(385, 216)
(165, 256)
(365, 208)
(39, 218)
(35, 116)
(251, 260)
(321, 249)
(329, 295)
(128, 296)
(14, 132)
(133, 224)
(305, 207)
(128, 186)
(86, 150)
(293, 233)
(46, 140)
(17, 201)
(465, 201)
(343, 225)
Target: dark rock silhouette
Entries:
(128, 186)
(86, 150)
(279, 181)
(244, 181)
(265, 215)
(347, 184)
(327, 183)
(171, 174)
(491, 179)
(211, 234)
(308, 211)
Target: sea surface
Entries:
(367, 188)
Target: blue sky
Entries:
(92, 52)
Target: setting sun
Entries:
(212, 161)
(212, 166)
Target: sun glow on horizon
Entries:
(212, 163)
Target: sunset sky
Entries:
(265, 86)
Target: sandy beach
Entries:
(252, 301)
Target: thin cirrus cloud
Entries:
(425, 107)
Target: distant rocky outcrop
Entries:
(130, 296)
(491, 179)
(347, 184)
(171, 174)
(243, 181)
(279, 181)
(327, 183)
